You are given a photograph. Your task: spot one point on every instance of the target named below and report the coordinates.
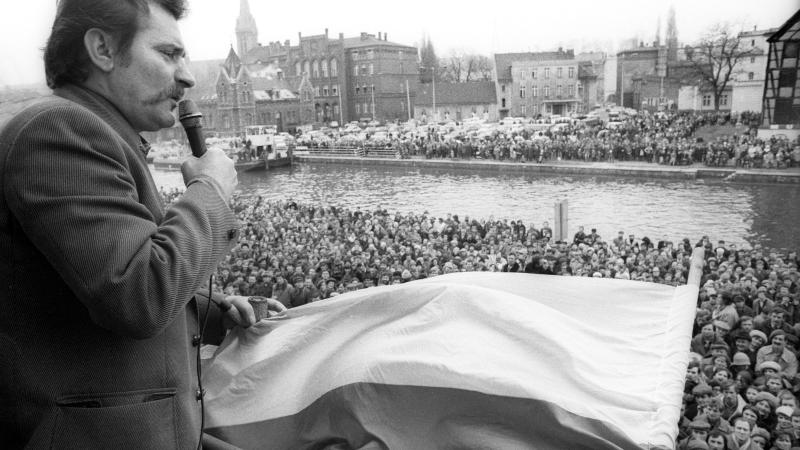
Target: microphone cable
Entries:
(200, 391)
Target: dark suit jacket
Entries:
(97, 282)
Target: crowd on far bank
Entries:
(661, 138)
(742, 383)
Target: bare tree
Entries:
(464, 67)
(713, 60)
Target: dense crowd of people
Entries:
(742, 383)
(662, 138)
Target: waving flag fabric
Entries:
(467, 360)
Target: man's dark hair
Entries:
(65, 57)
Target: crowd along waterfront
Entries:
(744, 214)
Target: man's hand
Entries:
(215, 165)
(238, 311)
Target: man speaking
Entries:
(100, 317)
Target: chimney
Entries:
(326, 32)
(385, 35)
(299, 38)
(379, 35)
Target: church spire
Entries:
(246, 30)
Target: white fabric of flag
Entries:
(461, 360)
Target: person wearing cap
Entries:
(759, 438)
(717, 348)
(784, 416)
(762, 304)
(778, 353)
(741, 307)
(698, 431)
(717, 440)
(765, 404)
(712, 413)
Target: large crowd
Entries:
(661, 138)
(742, 384)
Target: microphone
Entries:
(190, 116)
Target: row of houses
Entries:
(323, 80)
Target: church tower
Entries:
(246, 30)
(672, 36)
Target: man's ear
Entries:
(100, 48)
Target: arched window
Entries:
(298, 69)
(334, 68)
(315, 69)
(324, 68)
(307, 67)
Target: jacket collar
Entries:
(106, 110)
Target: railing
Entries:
(370, 152)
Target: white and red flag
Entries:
(466, 360)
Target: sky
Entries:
(452, 25)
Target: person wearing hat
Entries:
(778, 353)
(712, 413)
(717, 348)
(762, 304)
(699, 431)
(765, 404)
(784, 416)
(760, 438)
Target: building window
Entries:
(706, 99)
(580, 89)
(723, 100)
(559, 72)
(535, 91)
(298, 68)
(316, 91)
(750, 76)
(335, 89)
(558, 91)
(503, 103)
(358, 89)
(355, 71)
(503, 88)
(533, 74)
(336, 109)
(370, 54)
(571, 72)
(522, 110)
(522, 91)
(787, 78)
(522, 74)
(324, 91)
(358, 108)
(364, 69)
(546, 73)
(315, 68)
(307, 68)
(535, 110)
(546, 90)
(791, 49)
(752, 59)
(570, 90)
(324, 68)
(371, 69)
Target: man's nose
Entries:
(184, 76)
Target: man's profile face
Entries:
(147, 82)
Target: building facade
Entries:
(548, 83)
(781, 101)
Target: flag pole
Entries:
(696, 266)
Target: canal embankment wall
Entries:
(617, 169)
